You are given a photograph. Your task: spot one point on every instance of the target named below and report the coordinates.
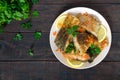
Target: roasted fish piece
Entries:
(89, 22)
(61, 38)
(83, 57)
(84, 40)
(71, 20)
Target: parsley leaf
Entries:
(93, 49)
(35, 14)
(26, 25)
(22, 1)
(70, 47)
(37, 35)
(72, 30)
(13, 10)
(18, 37)
(35, 1)
(30, 52)
(1, 30)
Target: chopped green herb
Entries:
(1, 30)
(70, 47)
(30, 52)
(37, 35)
(97, 50)
(18, 37)
(93, 49)
(35, 14)
(13, 10)
(26, 25)
(35, 1)
(72, 30)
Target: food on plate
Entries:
(68, 19)
(60, 21)
(101, 33)
(74, 63)
(89, 22)
(81, 38)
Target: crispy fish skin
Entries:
(71, 20)
(84, 40)
(61, 38)
(84, 57)
(89, 22)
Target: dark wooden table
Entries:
(16, 64)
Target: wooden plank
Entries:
(48, 13)
(17, 50)
(11, 50)
(57, 71)
(77, 1)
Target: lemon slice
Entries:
(74, 63)
(66, 19)
(102, 33)
(60, 20)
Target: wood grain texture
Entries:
(57, 71)
(17, 50)
(48, 13)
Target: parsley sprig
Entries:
(18, 37)
(70, 48)
(26, 25)
(30, 52)
(37, 35)
(93, 49)
(35, 14)
(72, 30)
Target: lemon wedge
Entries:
(65, 20)
(74, 63)
(60, 21)
(102, 33)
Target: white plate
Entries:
(74, 11)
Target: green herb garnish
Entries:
(18, 37)
(35, 14)
(70, 47)
(13, 10)
(35, 1)
(30, 52)
(93, 49)
(26, 25)
(37, 35)
(73, 30)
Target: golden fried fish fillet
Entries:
(71, 20)
(89, 22)
(83, 41)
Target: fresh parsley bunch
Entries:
(13, 10)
